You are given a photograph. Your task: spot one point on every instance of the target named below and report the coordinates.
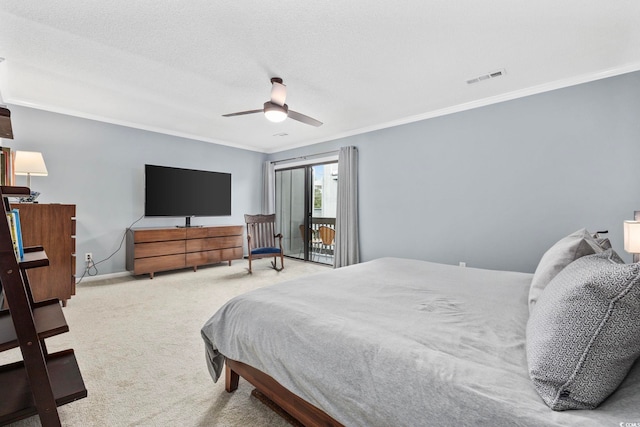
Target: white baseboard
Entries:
(87, 279)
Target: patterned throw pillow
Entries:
(561, 254)
(584, 333)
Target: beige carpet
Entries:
(138, 345)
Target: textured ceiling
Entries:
(177, 67)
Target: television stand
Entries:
(150, 250)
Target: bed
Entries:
(396, 342)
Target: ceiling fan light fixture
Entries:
(274, 112)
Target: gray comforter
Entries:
(397, 342)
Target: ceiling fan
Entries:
(276, 110)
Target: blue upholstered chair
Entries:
(261, 239)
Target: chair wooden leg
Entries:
(250, 272)
(274, 263)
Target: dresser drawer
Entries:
(196, 245)
(227, 230)
(145, 250)
(204, 257)
(232, 253)
(159, 263)
(159, 235)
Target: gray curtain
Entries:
(347, 238)
(268, 188)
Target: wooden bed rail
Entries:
(298, 408)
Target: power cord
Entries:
(91, 268)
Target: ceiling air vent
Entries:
(487, 76)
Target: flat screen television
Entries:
(170, 191)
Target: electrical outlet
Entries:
(88, 257)
(462, 264)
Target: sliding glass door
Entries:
(306, 198)
(291, 209)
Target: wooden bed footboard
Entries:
(300, 409)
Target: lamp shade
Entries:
(632, 237)
(29, 163)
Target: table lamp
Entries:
(29, 163)
(632, 239)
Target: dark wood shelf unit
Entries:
(41, 382)
(34, 259)
(47, 316)
(15, 191)
(66, 383)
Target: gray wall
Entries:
(493, 186)
(100, 168)
(496, 186)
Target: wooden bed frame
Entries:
(298, 408)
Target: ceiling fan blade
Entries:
(242, 113)
(278, 93)
(304, 119)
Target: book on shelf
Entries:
(16, 215)
(13, 218)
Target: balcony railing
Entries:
(317, 222)
(319, 251)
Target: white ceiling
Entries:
(177, 67)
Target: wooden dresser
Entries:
(160, 249)
(52, 226)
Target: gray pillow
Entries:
(603, 242)
(561, 254)
(584, 334)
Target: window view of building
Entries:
(325, 190)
